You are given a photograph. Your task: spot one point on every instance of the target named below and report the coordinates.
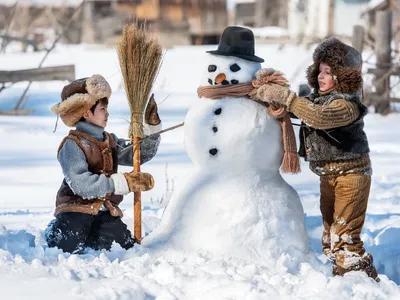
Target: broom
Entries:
(140, 59)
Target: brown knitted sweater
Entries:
(338, 113)
(324, 117)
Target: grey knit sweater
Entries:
(75, 168)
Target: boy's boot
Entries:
(365, 264)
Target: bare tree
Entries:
(9, 22)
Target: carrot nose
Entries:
(220, 77)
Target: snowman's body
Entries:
(235, 201)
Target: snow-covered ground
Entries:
(30, 177)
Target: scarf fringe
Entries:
(291, 159)
(291, 163)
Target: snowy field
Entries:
(30, 177)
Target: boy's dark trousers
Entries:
(72, 232)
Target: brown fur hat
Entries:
(79, 96)
(345, 63)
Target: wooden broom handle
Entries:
(137, 198)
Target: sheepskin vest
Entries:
(342, 143)
(102, 158)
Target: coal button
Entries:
(213, 151)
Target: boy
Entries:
(333, 140)
(87, 212)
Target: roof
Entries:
(375, 5)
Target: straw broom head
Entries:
(140, 60)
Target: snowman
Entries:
(235, 202)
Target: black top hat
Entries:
(239, 42)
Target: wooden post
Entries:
(391, 5)
(87, 23)
(283, 13)
(260, 13)
(383, 59)
(358, 38)
(331, 18)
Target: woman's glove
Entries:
(274, 93)
(124, 183)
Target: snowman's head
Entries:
(225, 70)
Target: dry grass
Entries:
(140, 61)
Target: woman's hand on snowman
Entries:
(274, 93)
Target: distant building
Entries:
(180, 21)
(245, 12)
(100, 21)
(370, 15)
(261, 13)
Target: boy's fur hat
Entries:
(79, 96)
(345, 63)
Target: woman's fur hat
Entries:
(79, 96)
(345, 63)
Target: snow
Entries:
(30, 177)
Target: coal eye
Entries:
(212, 68)
(235, 68)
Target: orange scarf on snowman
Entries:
(291, 162)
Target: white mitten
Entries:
(120, 184)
